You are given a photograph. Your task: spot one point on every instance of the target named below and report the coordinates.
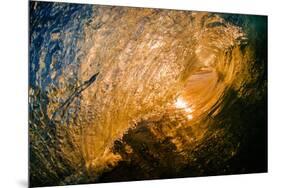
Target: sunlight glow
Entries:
(182, 104)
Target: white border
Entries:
(13, 99)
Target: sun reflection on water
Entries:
(183, 104)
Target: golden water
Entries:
(171, 69)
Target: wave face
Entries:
(162, 93)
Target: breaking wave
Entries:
(163, 90)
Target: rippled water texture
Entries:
(118, 93)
